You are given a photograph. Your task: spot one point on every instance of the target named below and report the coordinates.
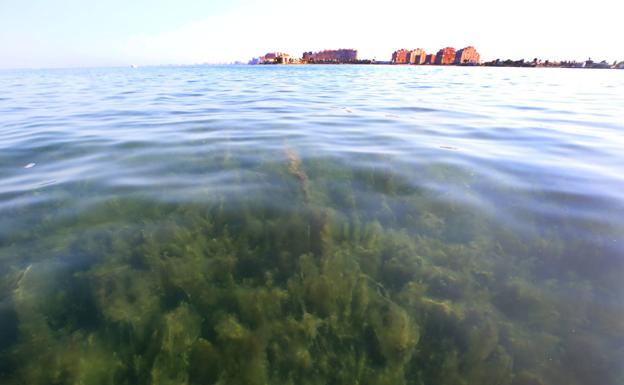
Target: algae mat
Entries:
(297, 283)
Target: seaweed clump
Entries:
(368, 281)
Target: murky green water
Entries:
(311, 225)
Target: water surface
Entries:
(312, 225)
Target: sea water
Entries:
(312, 225)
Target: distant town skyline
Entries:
(86, 33)
(467, 56)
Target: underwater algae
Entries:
(339, 275)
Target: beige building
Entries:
(467, 55)
(416, 56)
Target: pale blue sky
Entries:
(70, 33)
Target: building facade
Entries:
(273, 58)
(400, 56)
(467, 56)
(445, 56)
(416, 56)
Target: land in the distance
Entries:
(467, 56)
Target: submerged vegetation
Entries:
(324, 274)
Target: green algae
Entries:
(340, 276)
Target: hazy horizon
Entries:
(71, 33)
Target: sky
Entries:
(88, 33)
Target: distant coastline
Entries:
(448, 56)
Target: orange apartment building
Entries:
(400, 56)
(445, 56)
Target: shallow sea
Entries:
(312, 225)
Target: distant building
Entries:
(273, 58)
(467, 55)
(589, 63)
(445, 56)
(416, 56)
(430, 59)
(283, 58)
(400, 56)
(331, 56)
